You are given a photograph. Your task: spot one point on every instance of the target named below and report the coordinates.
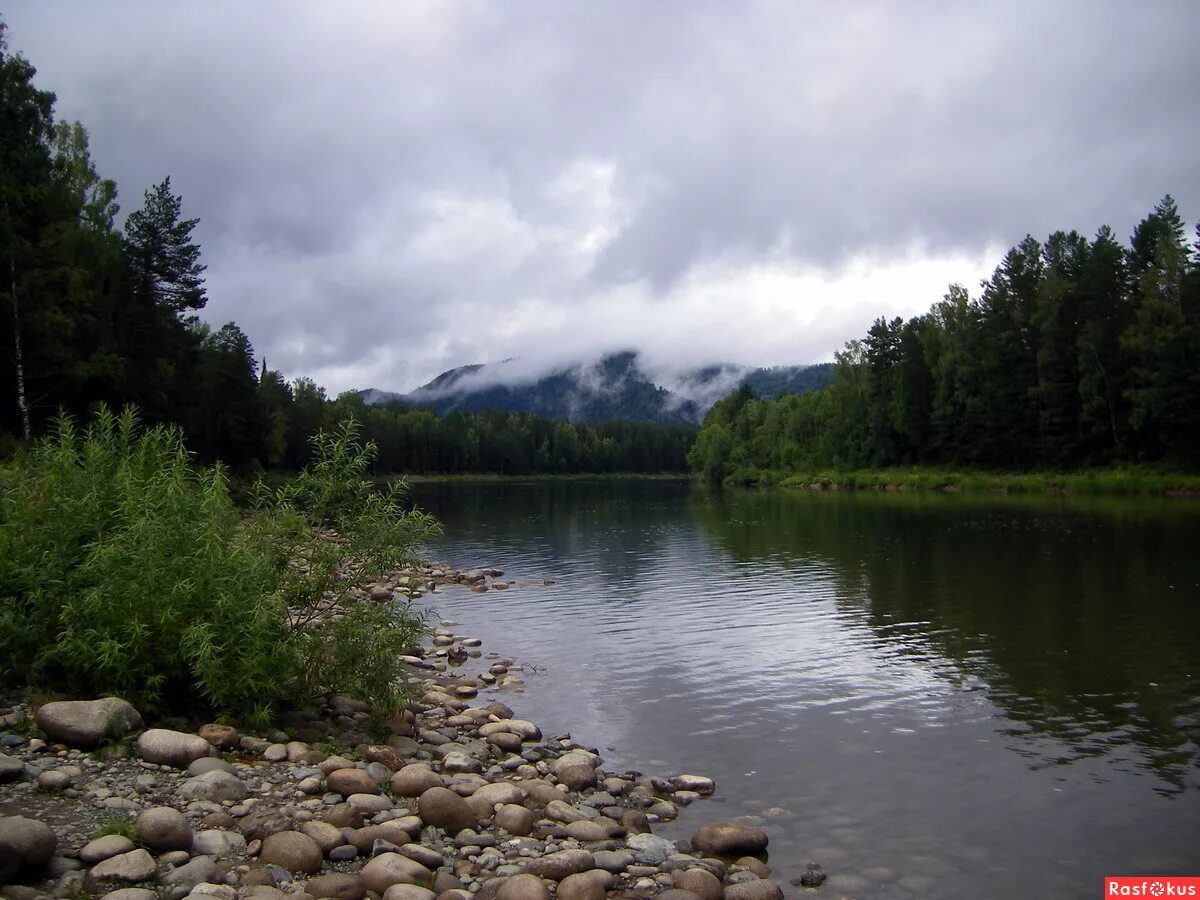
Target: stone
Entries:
(561, 811)
(614, 861)
(263, 821)
(455, 761)
(391, 868)
(701, 882)
(426, 856)
(398, 832)
(557, 866)
(208, 764)
(523, 887)
(131, 894)
(198, 871)
(338, 886)
(443, 808)
(516, 820)
(223, 737)
(292, 850)
(11, 769)
(369, 804)
(634, 821)
(133, 867)
(415, 779)
(650, 849)
(387, 756)
(754, 864)
(209, 891)
(326, 836)
(506, 741)
(729, 839)
(351, 781)
(701, 784)
(87, 723)
(576, 769)
(484, 800)
(581, 886)
(677, 894)
(217, 786)
(344, 853)
(54, 780)
(103, 848)
(172, 748)
(588, 830)
(408, 892)
(217, 842)
(759, 889)
(26, 845)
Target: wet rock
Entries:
(700, 882)
(103, 848)
(813, 876)
(337, 885)
(351, 781)
(172, 748)
(216, 786)
(759, 889)
(634, 821)
(515, 819)
(86, 723)
(292, 850)
(26, 845)
(391, 868)
(133, 867)
(729, 839)
(523, 887)
(753, 864)
(443, 808)
(557, 866)
(701, 784)
(650, 849)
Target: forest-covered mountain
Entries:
(614, 388)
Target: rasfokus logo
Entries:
(1151, 886)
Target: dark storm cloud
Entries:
(387, 190)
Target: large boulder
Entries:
(133, 867)
(729, 839)
(86, 723)
(443, 808)
(26, 845)
(650, 849)
(523, 887)
(516, 819)
(408, 892)
(759, 889)
(557, 866)
(292, 850)
(484, 800)
(163, 828)
(172, 748)
(583, 886)
(337, 885)
(701, 882)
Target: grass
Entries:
(1109, 481)
(125, 827)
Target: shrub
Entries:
(126, 569)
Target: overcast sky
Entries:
(388, 190)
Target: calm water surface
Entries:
(932, 696)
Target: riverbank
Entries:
(485, 477)
(455, 797)
(1116, 482)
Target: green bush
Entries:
(126, 569)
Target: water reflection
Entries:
(1081, 619)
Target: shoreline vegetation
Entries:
(1093, 482)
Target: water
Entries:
(935, 696)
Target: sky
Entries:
(389, 190)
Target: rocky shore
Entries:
(454, 798)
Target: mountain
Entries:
(613, 388)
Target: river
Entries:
(929, 695)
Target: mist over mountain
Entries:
(615, 387)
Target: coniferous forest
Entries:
(94, 314)
(1076, 353)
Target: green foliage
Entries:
(1077, 354)
(121, 826)
(126, 569)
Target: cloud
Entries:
(386, 192)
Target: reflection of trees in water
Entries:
(615, 527)
(1082, 618)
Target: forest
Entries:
(1074, 354)
(92, 314)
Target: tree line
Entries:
(1075, 353)
(94, 314)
